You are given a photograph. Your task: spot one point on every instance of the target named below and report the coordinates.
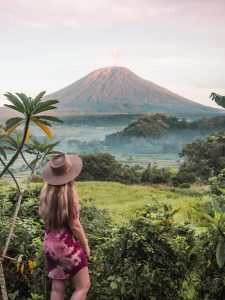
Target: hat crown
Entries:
(60, 164)
(62, 168)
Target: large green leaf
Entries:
(201, 214)
(174, 212)
(13, 142)
(35, 119)
(220, 100)
(26, 101)
(11, 122)
(220, 253)
(199, 245)
(15, 101)
(222, 218)
(216, 206)
(38, 97)
(203, 224)
(2, 152)
(13, 107)
(50, 118)
(44, 104)
(43, 108)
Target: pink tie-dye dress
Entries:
(64, 254)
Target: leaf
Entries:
(201, 214)
(174, 212)
(12, 142)
(45, 129)
(220, 100)
(113, 285)
(2, 152)
(50, 118)
(34, 162)
(12, 121)
(38, 97)
(15, 101)
(199, 245)
(8, 132)
(25, 100)
(41, 109)
(216, 206)
(202, 224)
(33, 119)
(222, 219)
(12, 107)
(220, 253)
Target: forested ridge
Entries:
(157, 124)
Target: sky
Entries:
(48, 44)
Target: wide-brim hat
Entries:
(61, 169)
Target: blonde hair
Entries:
(58, 205)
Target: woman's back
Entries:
(65, 243)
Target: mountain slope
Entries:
(118, 90)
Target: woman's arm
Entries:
(78, 231)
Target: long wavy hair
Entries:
(58, 205)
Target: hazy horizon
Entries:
(178, 45)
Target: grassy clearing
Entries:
(123, 201)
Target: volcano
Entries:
(117, 90)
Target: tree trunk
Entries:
(18, 204)
(2, 281)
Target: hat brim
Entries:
(74, 171)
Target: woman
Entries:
(65, 243)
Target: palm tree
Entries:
(220, 100)
(30, 109)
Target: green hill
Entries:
(157, 124)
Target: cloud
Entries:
(79, 13)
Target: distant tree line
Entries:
(157, 124)
(204, 158)
(101, 119)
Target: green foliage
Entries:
(217, 183)
(3, 144)
(101, 166)
(26, 277)
(104, 167)
(205, 158)
(220, 100)
(210, 251)
(184, 186)
(155, 125)
(30, 108)
(151, 126)
(145, 259)
(154, 174)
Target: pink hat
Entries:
(62, 168)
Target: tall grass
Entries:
(124, 201)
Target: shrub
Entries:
(26, 276)
(184, 185)
(145, 259)
(154, 174)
